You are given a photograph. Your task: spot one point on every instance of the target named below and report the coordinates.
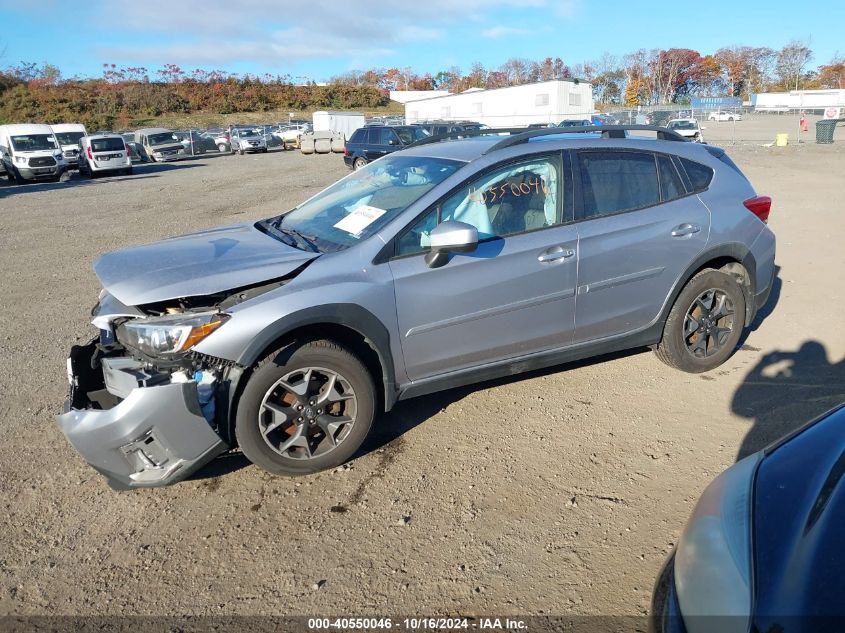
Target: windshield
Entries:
(69, 138)
(681, 125)
(358, 206)
(244, 133)
(410, 134)
(33, 142)
(161, 138)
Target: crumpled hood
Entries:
(197, 264)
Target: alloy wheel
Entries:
(708, 323)
(307, 413)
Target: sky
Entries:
(318, 39)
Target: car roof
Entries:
(27, 128)
(152, 130)
(68, 127)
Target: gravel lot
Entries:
(559, 492)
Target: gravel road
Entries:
(560, 491)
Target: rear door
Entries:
(377, 143)
(513, 296)
(638, 230)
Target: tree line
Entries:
(123, 95)
(642, 77)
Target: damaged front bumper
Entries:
(147, 431)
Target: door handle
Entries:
(682, 230)
(554, 254)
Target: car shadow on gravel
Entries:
(75, 181)
(408, 414)
(766, 311)
(784, 391)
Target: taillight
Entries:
(759, 206)
(345, 151)
(90, 155)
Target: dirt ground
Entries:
(557, 492)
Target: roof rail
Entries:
(522, 135)
(606, 131)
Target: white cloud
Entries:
(272, 33)
(502, 31)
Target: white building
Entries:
(544, 102)
(404, 96)
(798, 100)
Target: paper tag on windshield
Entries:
(360, 218)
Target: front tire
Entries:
(307, 407)
(705, 323)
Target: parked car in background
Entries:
(723, 115)
(289, 135)
(271, 138)
(104, 154)
(575, 123)
(68, 135)
(245, 140)
(159, 144)
(371, 142)
(31, 152)
(763, 549)
(131, 147)
(687, 128)
(194, 143)
(220, 138)
(436, 128)
(444, 264)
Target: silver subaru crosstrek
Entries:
(447, 263)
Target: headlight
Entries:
(713, 558)
(20, 159)
(171, 335)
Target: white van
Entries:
(68, 135)
(104, 154)
(31, 152)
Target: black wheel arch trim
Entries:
(733, 250)
(348, 315)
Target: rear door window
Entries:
(107, 145)
(614, 182)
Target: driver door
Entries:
(513, 296)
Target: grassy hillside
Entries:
(204, 119)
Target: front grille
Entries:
(42, 161)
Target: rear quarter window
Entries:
(699, 175)
(358, 136)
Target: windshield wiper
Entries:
(308, 240)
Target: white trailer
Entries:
(798, 100)
(342, 122)
(544, 102)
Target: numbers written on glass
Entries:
(505, 189)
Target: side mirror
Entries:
(392, 142)
(450, 237)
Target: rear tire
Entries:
(281, 397)
(705, 323)
(359, 163)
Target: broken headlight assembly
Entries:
(169, 336)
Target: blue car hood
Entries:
(198, 264)
(799, 542)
